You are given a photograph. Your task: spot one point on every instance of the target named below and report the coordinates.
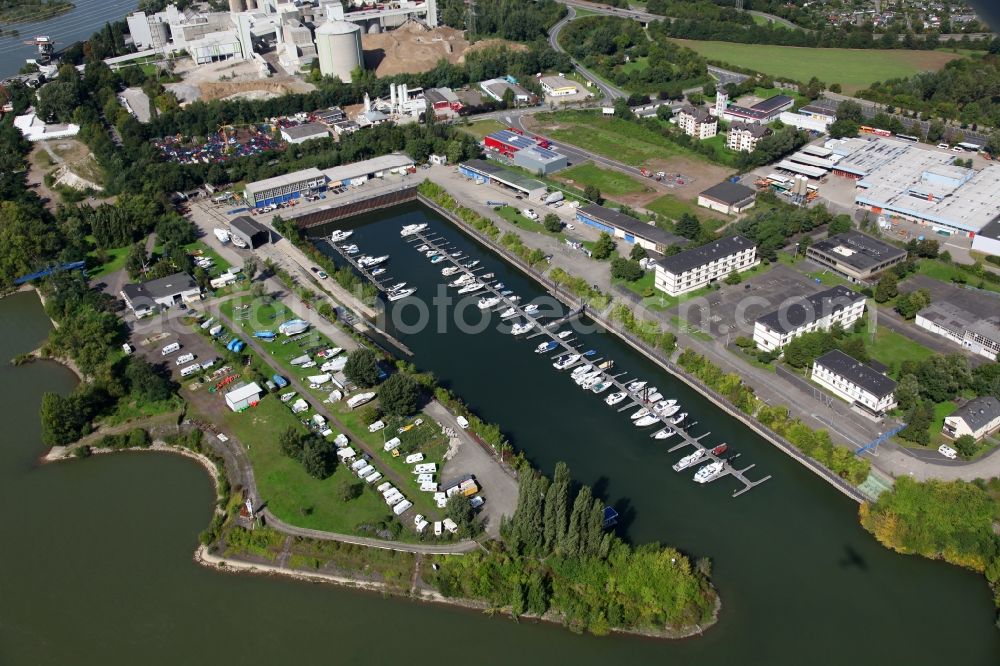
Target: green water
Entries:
(95, 561)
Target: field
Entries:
(892, 349)
(612, 137)
(854, 69)
(481, 128)
(609, 182)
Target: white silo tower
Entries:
(338, 45)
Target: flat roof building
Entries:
(250, 231)
(167, 291)
(304, 132)
(728, 198)
(764, 112)
(507, 142)
(280, 189)
(626, 227)
(978, 418)
(443, 102)
(357, 173)
(495, 88)
(869, 391)
(558, 86)
(818, 312)
(988, 239)
(243, 397)
(855, 255)
(968, 319)
(697, 267)
(540, 160)
(482, 171)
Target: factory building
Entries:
(855, 255)
(527, 153)
(764, 112)
(811, 117)
(304, 132)
(697, 267)
(496, 88)
(539, 160)
(443, 102)
(697, 122)
(968, 319)
(280, 189)
(988, 239)
(482, 171)
(358, 173)
(205, 36)
(558, 86)
(627, 228)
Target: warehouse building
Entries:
(869, 391)
(527, 153)
(627, 228)
(967, 319)
(743, 137)
(762, 113)
(988, 239)
(697, 267)
(697, 122)
(811, 117)
(728, 198)
(482, 171)
(496, 88)
(818, 312)
(540, 160)
(358, 173)
(243, 397)
(280, 189)
(558, 86)
(979, 417)
(443, 102)
(855, 255)
(143, 299)
(506, 142)
(304, 132)
(250, 231)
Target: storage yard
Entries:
(412, 48)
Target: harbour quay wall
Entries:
(655, 355)
(366, 204)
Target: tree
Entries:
(135, 263)
(348, 490)
(918, 423)
(459, 510)
(319, 456)
(967, 445)
(637, 253)
(62, 419)
(909, 304)
(688, 226)
(907, 392)
(362, 368)
(664, 112)
(552, 223)
(291, 444)
(625, 269)
(733, 278)
(398, 395)
(593, 193)
(887, 288)
(556, 510)
(604, 246)
(841, 127)
(838, 225)
(250, 268)
(145, 382)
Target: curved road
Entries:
(609, 91)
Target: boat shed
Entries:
(240, 398)
(626, 227)
(482, 171)
(252, 232)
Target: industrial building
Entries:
(280, 189)
(697, 267)
(506, 142)
(482, 171)
(978, 418)
(904, 180)
(142, 299)
(205, 36)
(988, 239)
(443, 102)
(358, 173)
(304, 132)
(763, 112)
(338, 46)
(869, 391)
(628, 228)
(811, 117)
(243, 397)
(966, 318)
(728, 198)
(558, 86)
(531, 154)
(855, 255)
(743, 137)
(818, 312)
(250, 231)
(496, 88)
(540, 160)
(697, 122)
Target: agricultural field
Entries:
(854, 69)
(608, 181)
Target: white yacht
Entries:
(488, 302)
(471, 287)
(340, 235)
(642, 413)
(709, 472)
(564, 362)
(588, 379)
(378, 271)
(423, 248)
(431, 253)
(397, 286)
(508, 313)
(646, 421)
(582, 369)
(410, 229)
(531, 309)
(373, 261)
(544, 347)
(461, 280)
(450, 270)
(601, 387)
(615, 398)
(679, 418)
(403, 293)
(222, 235)
(670, 411)
(636, 386)
(689, 460)
(664, 434)
(564, 334)
(350, 249)
(521, 328)
(655, 396)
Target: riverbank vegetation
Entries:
(556, 559)
(952, 521)
(24, 11)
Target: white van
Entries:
(947, 451)
(190, 370)
(184, 358)
(170, 349)
(437, 528)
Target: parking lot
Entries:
(732, 310)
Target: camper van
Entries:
(170, 349)
(184, 358)
(190, 370)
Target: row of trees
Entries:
(556, 557)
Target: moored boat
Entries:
(531, 309)
(508, 313)
(410, 229)
(679, 418)
(615, 398)
(488, 302)
(709, 472)
(664, 433)
(646, 421)
(640, 414)
(564, 334)
(636, 386)
(471, 287)
(720, 449)
(450, 270)
(521, 328)
(378, 271)
(403, 293)
(689, 460)
(601, 387)
(546, 347)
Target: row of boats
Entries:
(370, 263)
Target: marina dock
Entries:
(634, 400)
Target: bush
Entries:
(362, 368)
(967, 445)
(625, 269)
(398, 395)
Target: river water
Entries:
(86, 17)
(96, 562)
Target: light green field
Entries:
(612, 137)
(481, 128)
(891, 349)
(854, 69)
(609, 182)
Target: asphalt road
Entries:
(609, 91)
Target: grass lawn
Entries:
(131, 410)
(892, 349)
(612, 137)
(481, 128)
(515, 217)
(854, 69)
(608, 181)
(671, 206)
(946, 272)
(115, 261)
(636, 65)
(642, 285)
(722, 155)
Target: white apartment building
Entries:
(698, 123)
(743, 137)
(867, 389)
(699, 266)
(818, 312)
(978, 417)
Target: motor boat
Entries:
(521, 328)
(664, 433)
(582, 369)
(670, 411)
(471, 287)
(615, 398)
(588, 379)
(720, 449)
(450, 270)
(285, 397)
(601, 387)
(656, 396)
(373, 261)
(222, 235)
(640, 413)
(488, 302)
(590, 352)
(591, 381)
(564, 334)
(402, 293)
(461, 280)
(471, 264)
(689, 460)
(546, 347)
(679, 418)
(709, 472)
(531, 309)
(340, 235)
(410, 229)
(456, 254)
(378, 271)
(508, 313)
(565, 361)
(423, 248)
(238, 242)
(350, 249)
(636, 386)
(606, 365)
(437, 259)
(646, 421)
(486, 276)
(293, 327)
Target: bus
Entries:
(875, 130)
(908, 137)
(970, 147)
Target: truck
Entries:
(530, 214)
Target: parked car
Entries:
(947, 451)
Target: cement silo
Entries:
(338, 45)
